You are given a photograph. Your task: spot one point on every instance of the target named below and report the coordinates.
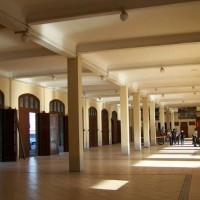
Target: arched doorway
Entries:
(58, 107)
(1, 100)
(28, 106)
(93, 131)
(114, 126)
(105, 127)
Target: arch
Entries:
(105, 127)
(1, 100)
(27, 103)
(57, 107)
(93, 131)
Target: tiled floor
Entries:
(157, 173)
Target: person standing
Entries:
(173, 136)
(182, 137)
(195, 137)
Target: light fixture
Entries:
(123, 15)
(24, 37)
(193, 87)
(102, 77)
(162, 70)
(163, 95)
(53, 77)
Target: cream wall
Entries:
(12, 89)
(5, 88)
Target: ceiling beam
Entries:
(62, 11)
(138, 42)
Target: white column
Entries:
(152, 122)
(172, 119)
(76, 161)
(137, 121)
(124, 111)
(146, 121)
(99, 123)
(162, 117)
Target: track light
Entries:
(123, 15)
(53, 77)
(162, 70)
(24, 37)
(102, 77)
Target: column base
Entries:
(76, 163)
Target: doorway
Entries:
(32, 134)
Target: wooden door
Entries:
(54, 134)
(27, 103)
(93, 131)
(24, 131)
(66, 134)
(9, 137)
(114, 128)
(118, 131)
(105, 127)
(43, 134)
(184, 127)
(60, 133)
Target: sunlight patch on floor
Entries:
(109, 184)
(177, 156)
(158, 163)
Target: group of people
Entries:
(175, 137)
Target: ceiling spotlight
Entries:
(24, 37)
(194, 93)
(162, 70)
(53, 77)
(193, 87)
(163, 95)
(123, 15)
(102, 77)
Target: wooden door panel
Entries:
(24, 128)
(184, 127)
(54, 133)
(43, 134)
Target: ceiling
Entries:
(157, 34)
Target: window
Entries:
(57, 106)
(29, 101)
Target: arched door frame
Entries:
(93, 130)
(27, 103)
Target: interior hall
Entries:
(99, 100)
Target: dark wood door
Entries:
(54, 133)
(24, 131)
(9, 135)
(43, 127)
(93, 131)
(105, 127)
(119, 131)
(114, 128)
(60, 133)
(184, 127)
(66, 134)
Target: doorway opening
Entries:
(32, 134)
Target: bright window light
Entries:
(172, 156)
(176, 151)
(109, 185)
(173, 164)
